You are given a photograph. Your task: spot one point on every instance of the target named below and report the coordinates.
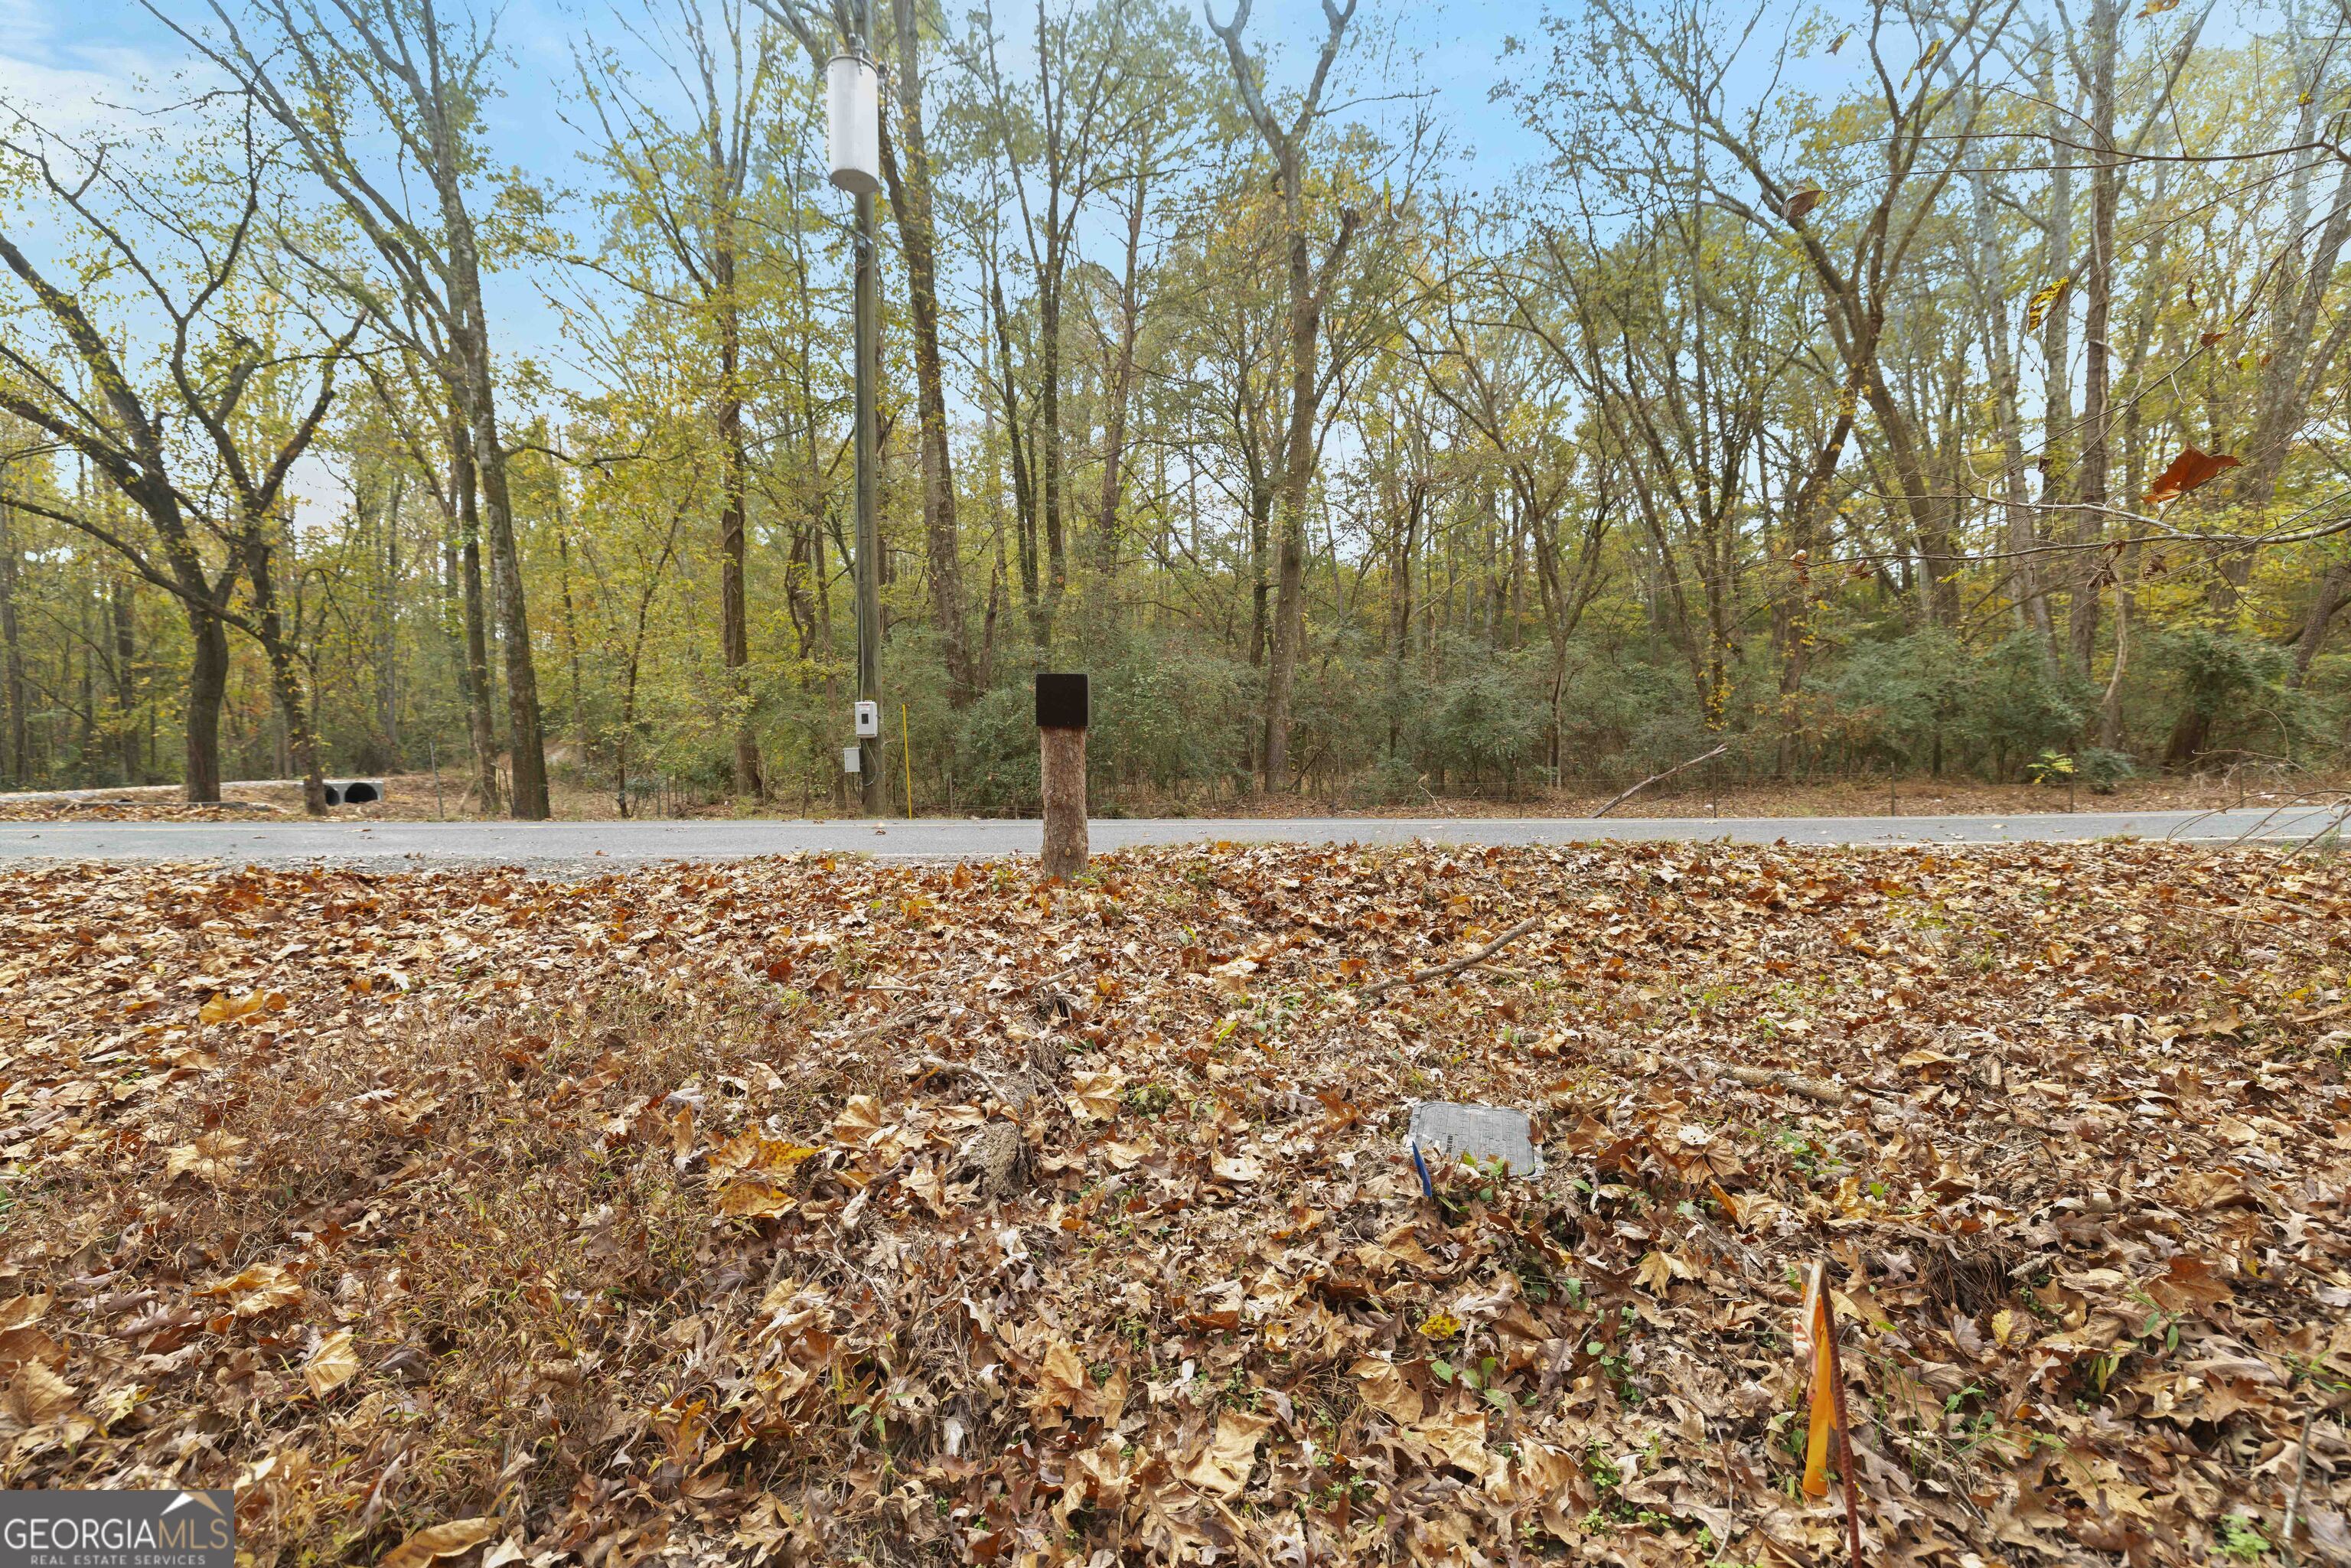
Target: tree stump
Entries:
(1061, 758)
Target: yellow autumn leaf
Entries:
(754, 1200)
(226, 1009)
(262, 1288)
(751, 1151)
(2036, 309)
(1440, 1325)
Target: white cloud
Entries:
(71, 71)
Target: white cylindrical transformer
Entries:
(853, 119)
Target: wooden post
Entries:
(1061, 715)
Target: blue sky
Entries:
(69, 63)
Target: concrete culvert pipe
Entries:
(362, 792)
(334, 794)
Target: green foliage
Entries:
(1926, 701)
(2102, 770)
(1487, 725)
(995, 754)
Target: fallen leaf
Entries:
(36, 1394)
(754, 1200)
(438, 1541)
(332, 1364)
(1385, 1389)
(1222, 1465)
(1093, 1096)
(212, 1158)
(1241, 1169)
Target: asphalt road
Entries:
(586, 845)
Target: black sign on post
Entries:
(1062, 701)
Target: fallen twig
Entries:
(1819, 1089)
(1656, 777)
(999, 1087)
(1454, 966)
(896, 1021)
(1844, 1440)
(2301, 1472)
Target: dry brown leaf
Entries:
(438, 1541)
(1223, 1464)
(1385, 1389)
(1093, 1096)
(36, 1394)
(1458, 1439)
(335, 1363)
(212, 1158)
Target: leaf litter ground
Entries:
(813, 1210)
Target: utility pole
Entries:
(853, 129)
(869, 528)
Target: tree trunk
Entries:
(474, 678)
(1260, 519)
(1290, 547)
(12, 659)
(207, 689)
(1024, 500)
(734, 628)
(388, 613)
(126, 686)
(2298, 358)
(910, 203)
(476, 385)
(526, 746)
(2334, 588)
(285, 676)
(1121, 392)
(2021, 535)
(2057, 432)
(1046, 433)
(1399, 638)
(2106, 178)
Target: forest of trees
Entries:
(1947, 385)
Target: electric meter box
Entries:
(868, 720)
